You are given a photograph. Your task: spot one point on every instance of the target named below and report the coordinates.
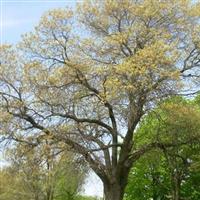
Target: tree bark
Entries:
(113, 192)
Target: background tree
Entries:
(33, 174)
(86, 80)
(149, 178)
(167, 174)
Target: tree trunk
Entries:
(113, 192)
(176, 186)
(155, 185)
(49, 194)
(177, 191)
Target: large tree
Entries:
(84, 79)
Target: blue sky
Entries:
(19, 17)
